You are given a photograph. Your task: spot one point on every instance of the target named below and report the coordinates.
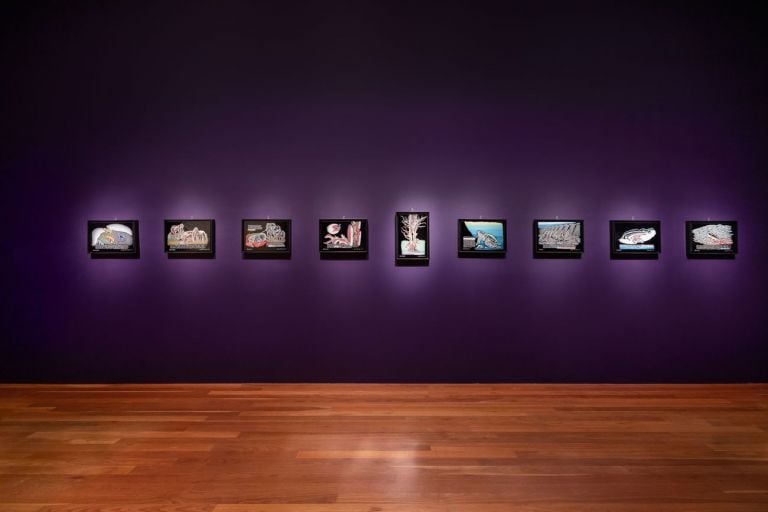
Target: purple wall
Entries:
(245, 109)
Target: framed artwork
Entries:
(113, 238)
(344, 238)
(184, 237)
(635, 239)
(266, 237)
(412, 238)
(558, 238)
(482, 237)
(711, 239)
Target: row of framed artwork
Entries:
(348, 238)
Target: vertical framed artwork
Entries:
(412, 238)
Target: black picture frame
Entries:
(697, 235)
(196, 247)
(266, 238)
(472, 249)
(104, 237)
(345, 238)
(644, 234)
(558, 238)
(412, 228)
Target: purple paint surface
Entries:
(247, 110)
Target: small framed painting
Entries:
(344, 238)
(412, 238)
(635, 239)
(268, 238)
(113, 238)
(482, 238)
(190, 238)
(711, 239)
(558, 238)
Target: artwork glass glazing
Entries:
(479, 236)
(189, 236)
(711, 237)
(632, 237)
(266, 236)
(558, 236)
(412, 229)
(343, 235)
(117, 237)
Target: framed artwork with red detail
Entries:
(268, 237)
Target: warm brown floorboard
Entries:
(386, 448)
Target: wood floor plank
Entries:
(383, 448)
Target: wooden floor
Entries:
(385, 448)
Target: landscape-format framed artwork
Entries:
(482, 238)
(635, 239)
(711, 238)
(558, 238)
(344, 238)
(268, 238)
(412, 238)
(190, 238)
(113, 238)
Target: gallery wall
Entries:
(239, 110)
